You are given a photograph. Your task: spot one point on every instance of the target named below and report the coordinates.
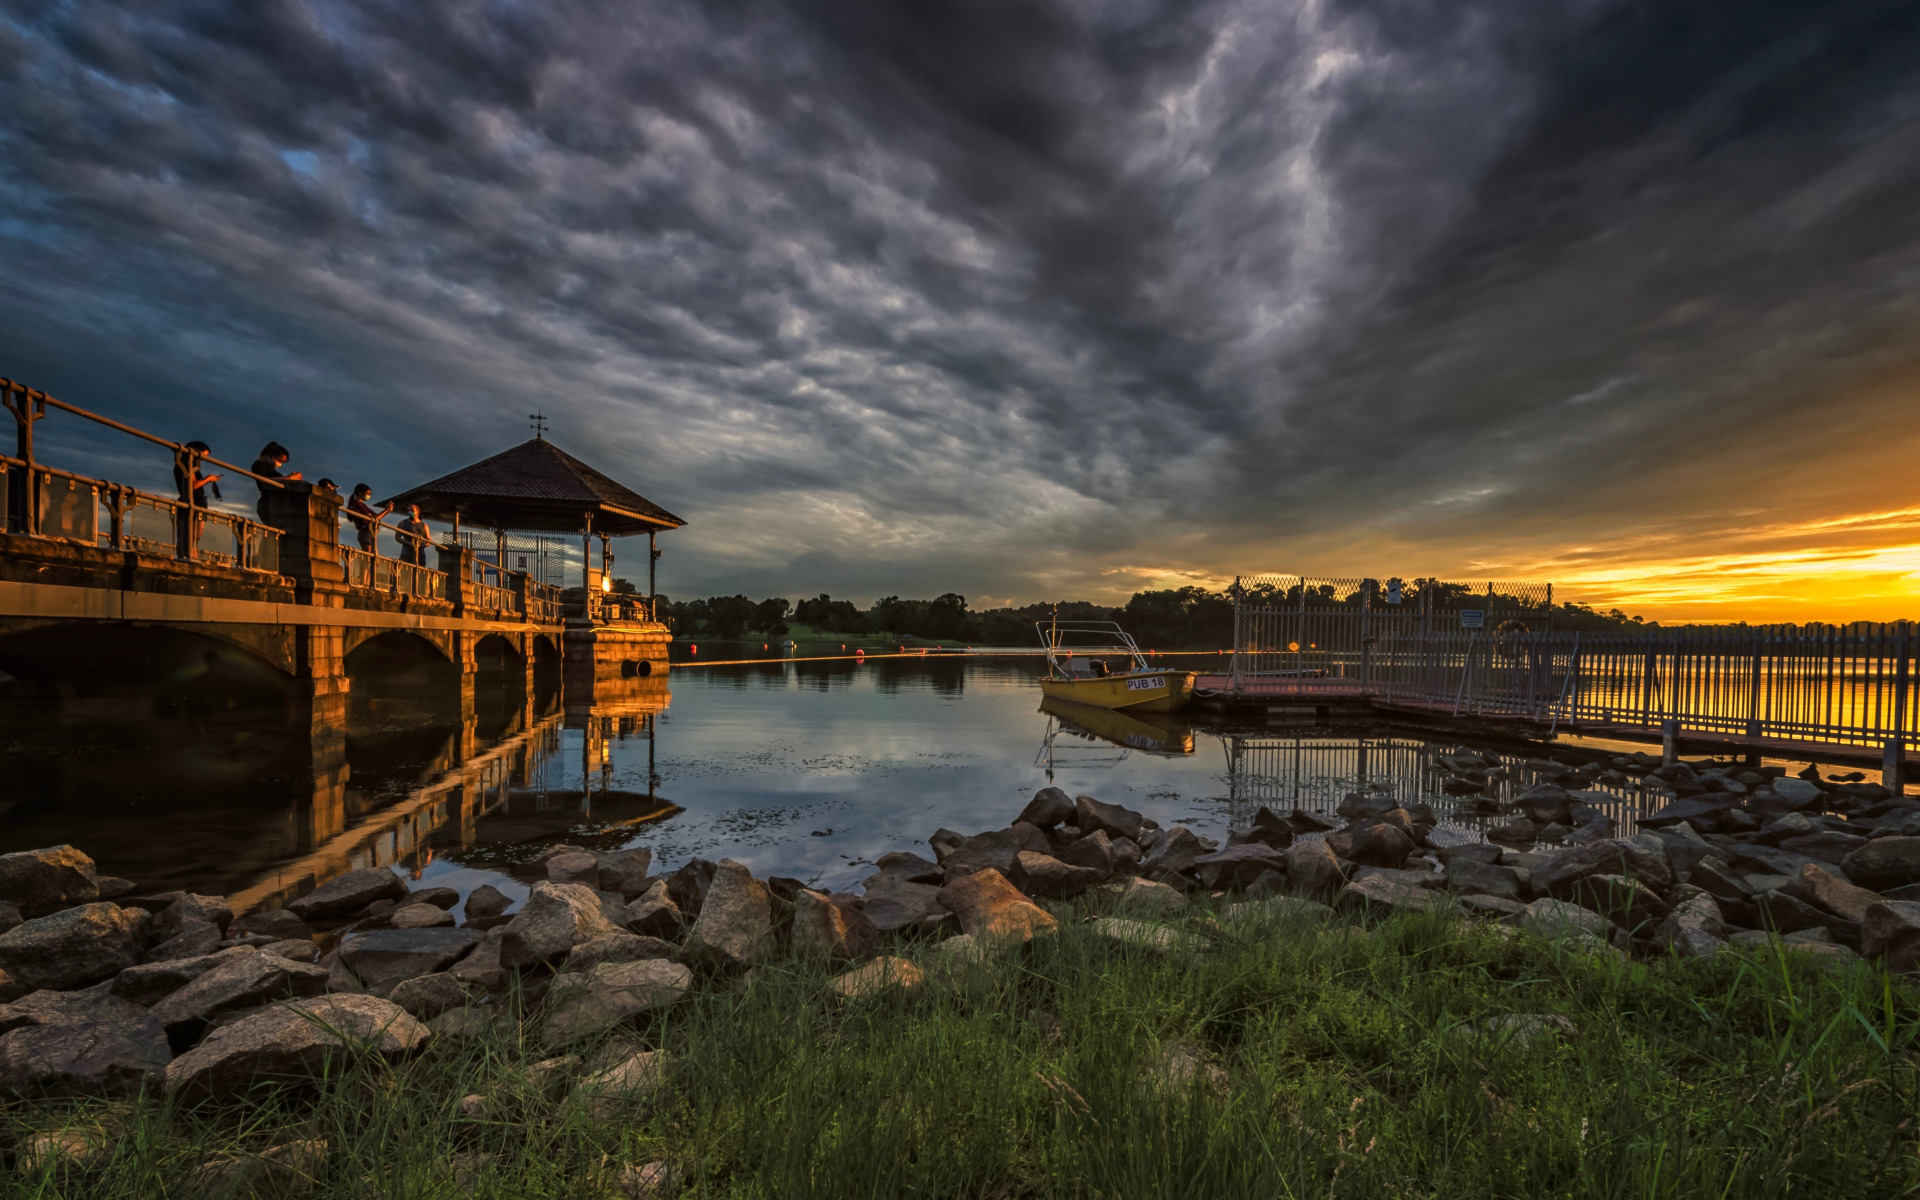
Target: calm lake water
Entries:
(806, 769)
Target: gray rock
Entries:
(1313, 869)
(10, 917)
(1127, 856)
(74, 947)
(38, 882)
(1141, 896)
(1558, 918)
(735, 925)
(893, 904)
(1797, 792)
(993, 849)
(296, 1041)
(150, 983)
(188, 912)
(1885, 863)
(1094, 852)
(575, 866)
(1626, 902)
(1119, 821)
(1173, 854)
(832, 926)
(1826, 891)
(654, 913)
(1033, 840)
(556, 918)
(239, 980)
(1694, 930)
(1049, 807)
(617, 947)
(1380, 889)
(1558, 874)
(909, 867)
(430, 995)
(1786, 913)
(1373, 844)
(482, 968)
(1483, 878)
(298, 949)
(1826, 845)
(87, 1006)
(419, 916)
(439, 897)
(585, 1006)
(195, 941)
(385, 957)
(1470, 852)
(1701, 812)
(1498, 907)
(1891, 930)
(276, 923)
(84, 1059)
(1046, 876)
(344, 895)
(488, 901)
(1238, 866)
(625, 871)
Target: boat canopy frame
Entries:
(1094, 639)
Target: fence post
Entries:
(1893, 757)
(1366, 635)
(1669, 742)
(27, 408)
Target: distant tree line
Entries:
(1188, 618)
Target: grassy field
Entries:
(1319, 1060)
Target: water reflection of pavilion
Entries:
(482, 802)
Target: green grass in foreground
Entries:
(1748, 1076)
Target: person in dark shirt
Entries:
(415, 537)
(193, 493)
(273, 456)
(366, 522)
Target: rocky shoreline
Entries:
(104, 990)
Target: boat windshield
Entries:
(1075, 647)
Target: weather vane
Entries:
(539, 422)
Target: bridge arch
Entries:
(398, 669)
(193, 671)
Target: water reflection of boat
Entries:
(1151, 732)
(1079, 669)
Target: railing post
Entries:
(456, 562)
(1893, 760)
(1669, 742)
(27, 408)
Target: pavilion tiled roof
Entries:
(537, 486)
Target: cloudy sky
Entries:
(1021, 300)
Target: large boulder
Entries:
(1142, 896)
(276, 923)
(1386, 890)
(735, 926)
(151, 982)
(1882, 864)
(892, 903)
(419, 916)
(487, 902)
(1094, 852)
(38, 882)
(582, 1006)
(1625, 901)
(1891, 929)
(1826, 891)
(1372, 844)
(908, 867)
(1482, 878)
(430, 995)
(86, 1058)
(993, 849)
(688, 886)
(556, 918)
(615, 948)
(74, 947)
(654, 912)
(198, 939)
(1046, 876)
(188, 911)
(832, 926)
(575, 866)
(242, 981)
(482, 967)
(344, 895)
(1173, 855)
(385, 957)
(1049, 807)
(1548, 802)
(1557, 918)
(625, 871)
(1827, 845)
(1694, 929)
(1313, 869)
(1800, 793)
(1700, 812)
(296, 1041)
(1238, 866)
(87, 1006)
(1119, 821)
(1560, 873)
(991, 907)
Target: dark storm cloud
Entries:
(925, 291)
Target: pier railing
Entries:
(45, 502)
(376, 572)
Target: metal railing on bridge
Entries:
(41, 501)
(393, 576)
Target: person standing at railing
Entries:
(193, 493)
(415, 537)
(366, 522)
(273, 456)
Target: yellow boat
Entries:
(1081, 668)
